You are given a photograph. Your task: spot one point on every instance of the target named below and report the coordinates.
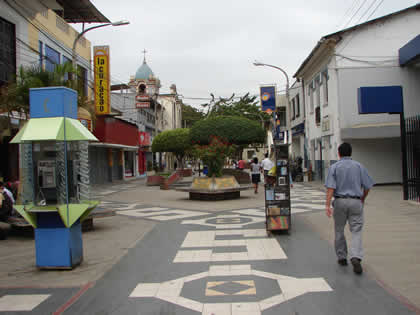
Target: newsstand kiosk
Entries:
(54, 166)
(277, 192)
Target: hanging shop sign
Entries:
(268, 98)
(142, 104)
(142, 98)
(144, 138)
(102, 82)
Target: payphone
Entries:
(46, 174)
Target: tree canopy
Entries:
(235, 130)
(176, 141)
(190, 115)
(246, 106)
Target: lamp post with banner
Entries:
(256, 63)
(277, 186)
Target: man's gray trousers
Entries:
(351, 211)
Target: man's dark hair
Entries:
(266, 155)
(345, 149)
(1, 184)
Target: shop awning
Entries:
(409, 54)
(52, 129)
(372, 131)
(115, 146)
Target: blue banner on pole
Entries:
(268, 98)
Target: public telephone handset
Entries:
(41, 201)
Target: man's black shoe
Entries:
(342, 262)
(357, 267)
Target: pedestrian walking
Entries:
(266, 165)
(241, 164)
(349, 183)
(255, 173)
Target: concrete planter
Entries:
(167, 181)
(241, 177)
(186, 172)
(154, 180)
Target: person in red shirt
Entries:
(241, 164)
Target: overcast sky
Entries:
(208, 46)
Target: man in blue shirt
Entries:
(349, 182)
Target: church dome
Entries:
(144, 72)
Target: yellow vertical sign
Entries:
(102, 82)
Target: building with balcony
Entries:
(36, 33)
(340, 63)
(297, 122)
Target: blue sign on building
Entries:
(380, 99)
(268, 98)
(53, 102)
(298, 129)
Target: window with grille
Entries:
(293, 109)
(317, 88)
(325, 86)
(318, 115)
(311, 96)
(7, 51)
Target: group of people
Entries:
(264, 167)
(257, 168)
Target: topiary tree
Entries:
(217, 138)
(176, 141)
(235, 130)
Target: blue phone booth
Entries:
(54, 166)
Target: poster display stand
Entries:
(277, 193)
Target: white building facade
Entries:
(364, 55)
(297, 122)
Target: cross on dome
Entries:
(144, 58)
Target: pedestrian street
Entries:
(199, 262)
(226, 263)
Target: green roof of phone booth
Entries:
(52, 129)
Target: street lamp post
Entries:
(74, 61)
(256, 63)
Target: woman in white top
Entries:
(255, 174)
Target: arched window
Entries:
(142, 88)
